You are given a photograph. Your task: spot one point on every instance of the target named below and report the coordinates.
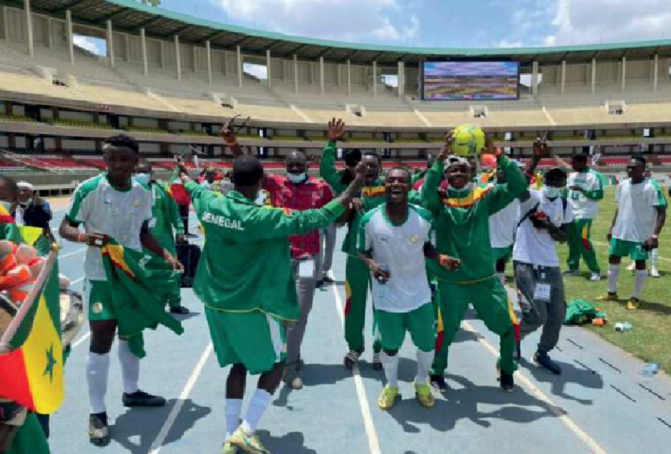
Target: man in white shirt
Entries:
(111, 205)
(585, 191)
(543, 221)
(638, 221)
(394, 240)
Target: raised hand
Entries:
(446, 149)
(489, 146)
(227, 132)
(337, 130)
(540, 149)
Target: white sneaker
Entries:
(595, 277)
(654, 272)
(632, 267)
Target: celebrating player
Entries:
(638, 221)
(111, 205)
(585, 191)
(462, 231)
(393, 241)
(244, 279)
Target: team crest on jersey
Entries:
(136, 203)
(414, 239)
(97, 308)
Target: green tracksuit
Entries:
(357, 276)
(166, 217)
(584, 205)
(462, 230)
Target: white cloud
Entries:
(506, 43)
(92, 45)
(609, 21)
(344, 20)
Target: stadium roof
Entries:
(130, 16)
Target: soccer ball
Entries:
(468, 140)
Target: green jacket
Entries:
(461, 221)
(246, 264)
(372, 195)
(165, 214)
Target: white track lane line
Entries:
(373, 441)
(70, 254)
(593, 446)
(165, 430)
(79, 341)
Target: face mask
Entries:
(26, 203)
(297, 177)
(551, 192)
(143, 178)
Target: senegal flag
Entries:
(31, 373)
(141, 283)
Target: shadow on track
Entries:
(570, 375)
(461, 402)
(293, 443)
(146, 423)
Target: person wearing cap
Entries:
(543, 221)
(31, 210)
(585, 190)
(461, 221)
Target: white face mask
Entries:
(551, 192)
(143, 178)
(297, 178)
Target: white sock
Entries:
(257, 407)
(424, 360)
(130, 368)
(654, 258)
(233, 410)
(639, 281)
(390, 365)
(97, 369)
(502, 277)
(613, 274)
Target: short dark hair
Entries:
(247, 171)
(580, 157)
(352, 157)
(375, 155)
(10, 182)
(639, 158)
(402, 169)
(122, 140)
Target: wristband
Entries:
(81, 238)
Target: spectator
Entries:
(32, 210)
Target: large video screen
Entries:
(473, 80)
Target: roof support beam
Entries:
(349, 78)
(29, 28)
(374, 78)
(239, 54)
(66, 6)
(178, 58)
(296, 73)
(149, 22)
(69, 36)
(110, 43)
(143, 44)
(208, 50)
(321, 75)
(112, 16)
(268, 68)
(401, 79)
(563, 77)
(655, 74)
(534, 78)
(214, 36)
(593, 75)
(624, 74)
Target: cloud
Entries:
(506, 43)
(381, 21)
(93, 45)
(608, 21)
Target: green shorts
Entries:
(622, 248)
(419, 323)
(98, 300)
(253, 339)
(502, 253)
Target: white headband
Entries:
(25, 185)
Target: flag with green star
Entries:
(32, 372)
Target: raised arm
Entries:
(429, 192)
(516, 184)
(327, 170)
(230, 139)
(173, 215)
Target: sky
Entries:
(441, 23)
